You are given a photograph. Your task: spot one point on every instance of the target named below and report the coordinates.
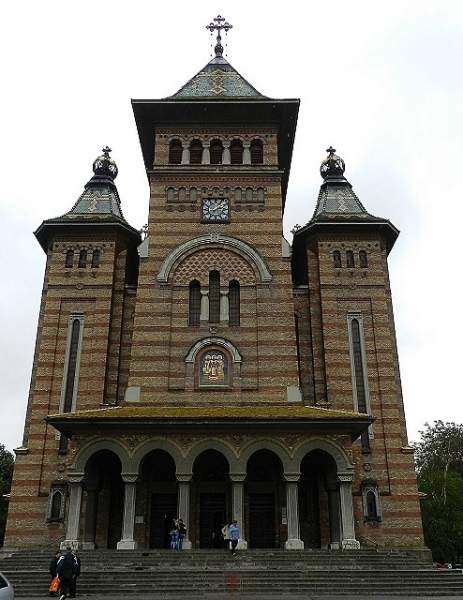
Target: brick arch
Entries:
(266, 444)
(83, 456)
(336, 452)
(202, 446)
(221, 241)
(156, 444)
(198, 265)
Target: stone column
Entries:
(226, 156)
(91, 507)
(292, 511)
(204, 314)
(238, 506)
(347, 512)
(184, 506)
(185, 155)
(75, 503)
(224, 306)
(128, 520)
(246, 154)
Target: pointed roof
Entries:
(338, 204)
(201, 101)
(99, 203)
(218, 79)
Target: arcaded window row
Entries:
(214, 305)
(83, 259)
(216, 153)
(350, 259)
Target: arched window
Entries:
(55, 511)
(350, 259)
(234, 303)
(83, 259)
(96, 259)
(372, 512)
(236, 152)
(257, 152)
(216, 151)
(194, 303)
(175, 152)
(56, 502)
(69, 389)
(260, 194)
(196, 152)
(170, 194)
(359, 373)
(249, 194)
(181, 194)
(69, 259)
(337, 259)
(214, 296)
(363, 258)
(371, 501)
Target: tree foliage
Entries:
(439, 461)
(6, 475)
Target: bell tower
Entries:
(215, 290)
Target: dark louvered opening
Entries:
(175, 152)
(196, 153)
(216, 152)
(236, 153)
(257, 153)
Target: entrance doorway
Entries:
(163, 512)
(211, 519)
(264, 489)
(211, 493)
(262, 520)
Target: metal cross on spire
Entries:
(218, 25)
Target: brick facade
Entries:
(289, 418)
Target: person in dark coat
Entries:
(66, 569)
(73, 586)
(53, 563)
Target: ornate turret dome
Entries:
(333, 166)
(104, 165)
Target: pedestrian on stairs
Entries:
(53, 563)
(73, 585)
(234, 533)
(225, 536)
(181, 533)
(66, 569)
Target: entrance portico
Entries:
(290, 490)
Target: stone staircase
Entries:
(123, 573)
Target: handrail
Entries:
(53, 543)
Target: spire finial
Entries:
(219, 24)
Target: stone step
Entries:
(127, 573)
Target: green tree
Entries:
(439, 462)
(6, 475)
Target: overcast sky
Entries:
(380, 81)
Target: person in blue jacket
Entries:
(234, 534)
(66, 569)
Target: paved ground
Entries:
(294, 596)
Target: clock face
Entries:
(216, 209)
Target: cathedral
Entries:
(206, 368)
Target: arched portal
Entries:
(318, 495)
(158, 492)
(211, 495)
(264, 499)
(104, 499)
